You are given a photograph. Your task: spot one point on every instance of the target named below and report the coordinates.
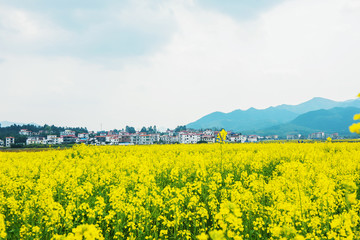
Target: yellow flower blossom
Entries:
(355, 128)
(269, 191)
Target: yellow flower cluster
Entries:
(355, 127)
(254, 191)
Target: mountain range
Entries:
(8, 124)
(317, 114)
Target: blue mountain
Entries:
(257, 119)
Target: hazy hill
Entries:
(243, 120)
(335, 120)
(257, 119)
(8, 124)
(319, 103)
(332, 120)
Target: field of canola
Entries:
(252, 191)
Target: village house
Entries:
(334, 136)
(83, 135)
(69, 139)
(253, 138)
(35, 140)
(207, 138)
(53, 139)
(235, 138)
(272, 137)
(209, 132)
(189, 138)
(169, 139)
(9, 141)
(1, 143)
(317, 135)
(67, 133)
(293, 136)
(25, 132)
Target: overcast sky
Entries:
(170, 62)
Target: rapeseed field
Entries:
(250, 191)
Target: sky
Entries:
(108, 64)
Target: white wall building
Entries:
(208, 138)
(235, 138)
(36, 140)
(53, 139)
(243, 138)
(188, 138)
(2, 143)
(209, 132)
(317, 135)
(25, 132)
(83, 135)
(9, 141)
(67, 133)
(252, 138)
(115, 140)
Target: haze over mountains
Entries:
(7, 123)
(317, 114)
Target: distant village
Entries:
(143, 138)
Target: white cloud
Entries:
(23, 31)
(292, 52)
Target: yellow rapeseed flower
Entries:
(357, 116)
(355, 128)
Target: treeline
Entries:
(148, 130)
(13, 131)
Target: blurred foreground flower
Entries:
(355, 127)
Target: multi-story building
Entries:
(209, 132)
(1, 143)
(35, 140)
(187, 137)
(9, 141)
(334, 135)
(25, 132)
(317, 135)
(83, 135)
(53, 139)
(234, 138)
(69, 139)
(125, 138)
(253, 138)
(207, 138)
(67, 133)
(293, 136)
(144, 139)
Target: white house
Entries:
(293, 137)
(208, 138)
(252, 138)
(317, 135)
(115, 140)
(36, 140)
(53, 139)
(187, 138)
(243, 138)
(67, 133)
(1, 143)
(209, 132)
(83, 135)
(169, 139)
(234, 138)
(9, 141)
(25, 132)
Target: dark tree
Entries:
(130, 129)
